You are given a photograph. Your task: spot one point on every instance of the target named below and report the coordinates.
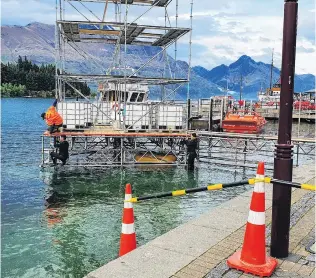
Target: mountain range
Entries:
(37, 42)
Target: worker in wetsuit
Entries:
(63, 154)
(191, 150)
(52, 118)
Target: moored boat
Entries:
(243, 122)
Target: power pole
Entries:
(283, 161)
(271, 71)
(240, 91)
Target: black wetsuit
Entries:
(191, 150)
(62, 154)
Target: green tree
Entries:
(34, 78)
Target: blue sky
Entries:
(223, 30)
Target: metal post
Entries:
(221, 111)
(43, 151)
(211, 115)
(240, 90)
(122, 151)
(299, 115)
(283, 159)
(245, 151)
(189, 113)
(297, 152)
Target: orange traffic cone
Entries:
(252, 258)
(128, 236)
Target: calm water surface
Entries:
(66, 224)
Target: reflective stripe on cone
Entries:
(128, 236)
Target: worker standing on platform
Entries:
(63, 154)
(192, 144)
(52, 118)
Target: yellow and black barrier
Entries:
(221, 186)
(305, 186)
(188, 190)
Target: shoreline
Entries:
(182, 251)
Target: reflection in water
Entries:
(83, 210)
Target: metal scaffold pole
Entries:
(190, 50)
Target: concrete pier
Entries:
(200, 247)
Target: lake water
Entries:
(66, 224)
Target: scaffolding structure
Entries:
(118, 37)
(117, 131)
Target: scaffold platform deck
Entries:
(114, 32)
(113, 133)
(120, 79)
(157, 3)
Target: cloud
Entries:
(222, 30)
(302, 49)
(24, 12)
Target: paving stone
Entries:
(296, 267)
(302, 252)
(293, 257)
(204, 263)
(313, 274)
(182, 274)
(198, 268)
(210, 259)
(285, 274)
(214, 253)
(287, 266)
(193, 273)
(218, 271)
(280, 261)
(227, 245)
(303, 262)
(305, 270)
(232, 274)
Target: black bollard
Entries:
(283, 157)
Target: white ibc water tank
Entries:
(138, 116)
(103, 115)
(170, 116)
(74, 114)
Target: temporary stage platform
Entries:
(117, 148)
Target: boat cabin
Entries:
(133, 93)
(120, 92)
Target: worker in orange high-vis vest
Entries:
(52, 118)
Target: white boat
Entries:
(271, 95)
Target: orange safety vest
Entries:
(52, 117)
